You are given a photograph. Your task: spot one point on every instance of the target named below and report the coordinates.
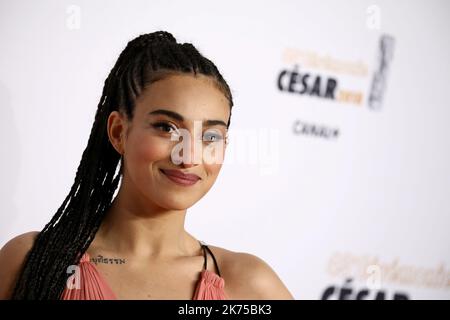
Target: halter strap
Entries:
(206, 248)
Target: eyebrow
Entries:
(179, 117)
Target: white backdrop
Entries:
(336, 196)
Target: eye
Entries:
(212, 137)
(164, 126)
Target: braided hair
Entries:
(146, 59)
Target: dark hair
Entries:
(146, 59)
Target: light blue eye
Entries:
(212, 137)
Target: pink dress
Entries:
(92, 286)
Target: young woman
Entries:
(135, 246)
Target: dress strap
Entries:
(206, 248)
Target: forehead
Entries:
(196, 98)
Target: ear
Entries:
(117, 127)
(227, 140)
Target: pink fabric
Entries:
(92, 286)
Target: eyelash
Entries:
(166, 125)
(163, 124)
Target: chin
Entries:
(177, 202)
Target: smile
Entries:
(179, 180)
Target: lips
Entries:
(189, 177)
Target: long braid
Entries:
(69, 233)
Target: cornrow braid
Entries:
(69, 233)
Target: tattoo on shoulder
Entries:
(107, 260)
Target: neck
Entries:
(135, 227)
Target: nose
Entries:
(193, 145)
(187, 165)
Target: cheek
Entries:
(214, 155)
(213, 169)
(145, 149)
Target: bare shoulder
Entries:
(12, 256)
(249, 277)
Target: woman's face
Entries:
(169, 130)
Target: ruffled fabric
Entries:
(92, 286)
(210, 287)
